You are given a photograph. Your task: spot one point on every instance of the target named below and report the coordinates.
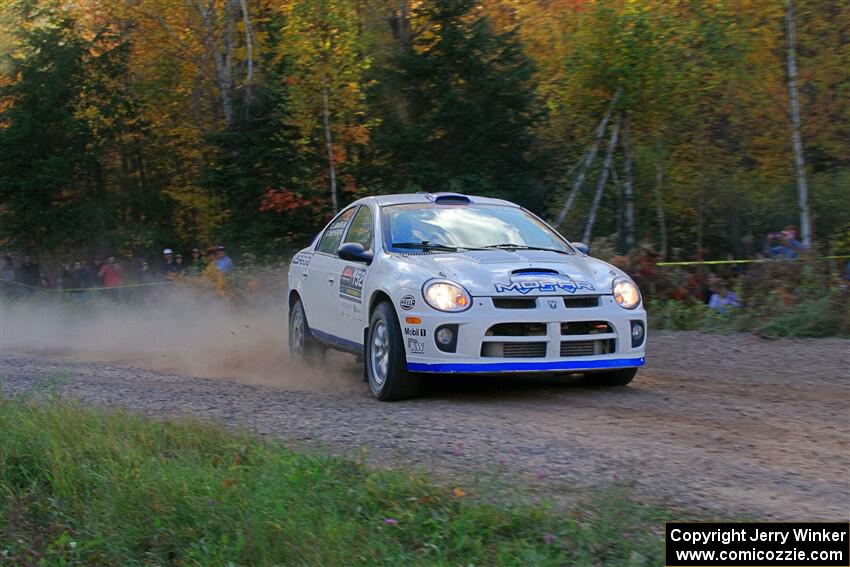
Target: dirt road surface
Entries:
(733, 426)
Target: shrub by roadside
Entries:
(822, 315)
(776, 299)
(93, 487)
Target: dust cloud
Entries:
(181, 331)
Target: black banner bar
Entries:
(745, 544)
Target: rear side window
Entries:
(329, 243)
(361, 229)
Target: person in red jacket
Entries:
(111, 273)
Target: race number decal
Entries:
(351, 283)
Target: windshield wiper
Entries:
(424, 245)
(510, 246)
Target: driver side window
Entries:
(361, 228)
(333, 234)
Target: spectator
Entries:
(723, 299)
(95, 273)
(63, 280)
(80, 276)
(785, 243)
(223, 261)
(168, 267)
(145, 274)
(79, 280)
(197, 264)
(7, 272)
(7, 275)
(212, 274)
(111, 273)
(181, 267)
(29, 273)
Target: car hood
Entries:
(521, 272)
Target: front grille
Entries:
(586, 348)
(586, 328)
(517, 330)
(514, 350)
(581, 301)
(514, 302)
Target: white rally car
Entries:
(446, 283)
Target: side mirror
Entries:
(354, 252)
(581, 247)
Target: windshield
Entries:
(449, 227)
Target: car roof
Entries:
(406, 198)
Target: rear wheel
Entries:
(613, 377)
(386, 363)
(302, 344)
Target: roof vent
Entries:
(449, 198)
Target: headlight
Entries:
(626, 293)
(446, 296)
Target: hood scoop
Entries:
(537, 271)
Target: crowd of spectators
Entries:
(730, 284)
(722, 287)
(27, 277)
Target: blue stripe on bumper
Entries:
(527, 366)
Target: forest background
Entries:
(696, 126)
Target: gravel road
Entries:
(730, 425)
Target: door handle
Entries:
(304, 274)
(330, 280)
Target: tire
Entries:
(386, 362)
(302, 344)
(613, 378)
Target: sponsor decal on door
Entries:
(351, 283)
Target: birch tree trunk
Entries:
(404, 23)
(659, 209)
(591, 155)
(619, 226)
(221, 52)
(600, 184)
(249, 55)
(326, 119)
(796, 141)
(227, 65)
(628, 188)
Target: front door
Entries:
(351, 303)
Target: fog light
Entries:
(445, 336)
(637, 333)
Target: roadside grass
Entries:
(95, 487)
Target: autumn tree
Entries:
(64, 118)
(456, 108)
(326, 50)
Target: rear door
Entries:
(320, 287)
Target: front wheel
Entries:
(386, 363)
(613, 377)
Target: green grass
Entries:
(82, 486)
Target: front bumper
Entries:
(548, 337)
